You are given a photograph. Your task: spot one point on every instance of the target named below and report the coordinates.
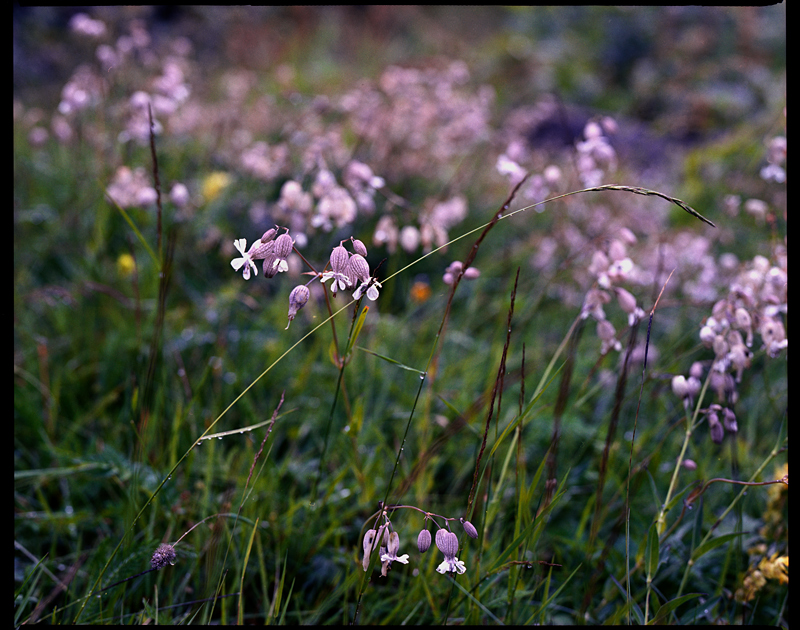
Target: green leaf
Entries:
(651, 553)
(356, 330)
(669, 606)
(390, 360)
(713, 544)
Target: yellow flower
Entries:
(125, 265)
(215, 183)
(775, 568)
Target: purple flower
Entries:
(283, 247)
(447, 542)
(340, 267)
(392, 547)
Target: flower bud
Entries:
(469, 528)
(298, 298)
(679, 386)
(269, 235)
(359, 247)
(707, 336)
(424, 541)
(626, 300)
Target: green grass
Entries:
(164, 402)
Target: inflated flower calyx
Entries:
(424, 541)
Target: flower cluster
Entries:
(347, 270)
(132, 188)
(757, 301)
(446, 542)
(436, 219)
(611, 267)
(756, 304)
(595, 155)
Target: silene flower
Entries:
(392, 547)
(372, 290)
(245, 261)
(340, 267)
(283, 247)
(447, 542)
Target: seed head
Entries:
(164, 555)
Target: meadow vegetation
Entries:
(404, 315)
